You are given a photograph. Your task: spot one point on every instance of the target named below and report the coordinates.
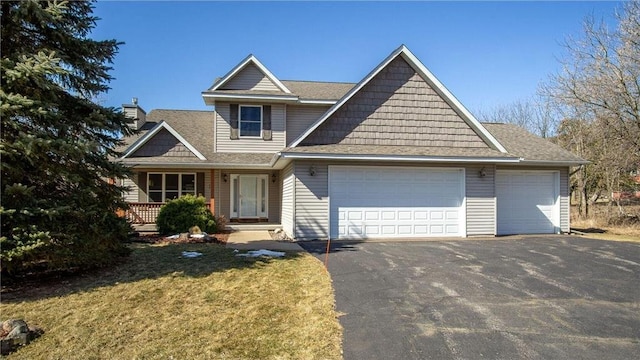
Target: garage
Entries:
(528, 202)
(387, 202)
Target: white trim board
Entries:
(151, 133)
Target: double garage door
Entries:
(386, 202)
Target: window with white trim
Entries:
(250, 120)
(162, 187)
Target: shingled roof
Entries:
(520, 144)
(529, 147)
(317, 90)
(304, 90)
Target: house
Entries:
(395, 155)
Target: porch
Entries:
(243, 196)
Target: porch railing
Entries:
(145, 213)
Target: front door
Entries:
(249, 194)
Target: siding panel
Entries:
(400, 104)
(250, 78)
(223, 142)
(299, 118)
(132, 183)
(311, 201)
(481, 204)
(288, 182)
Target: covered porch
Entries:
(242, 196)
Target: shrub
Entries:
(178, 215)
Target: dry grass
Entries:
(599, 226)
(159, 305)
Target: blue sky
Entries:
(486, 53)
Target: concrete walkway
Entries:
(256, 240)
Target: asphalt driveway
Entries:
(556, 297)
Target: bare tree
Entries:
(597, 92)
(536, 114)
(600, 77)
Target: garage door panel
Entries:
(396, 202)
(528, 201)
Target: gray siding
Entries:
(288, 196)
(217, 184)
(250, 78)
(132, 183)
(481, 202)
(223, 142)
(311, 212)
(299, 118)
(397, 107)
(223, 195)
(163, 144)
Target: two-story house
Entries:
(395, 155)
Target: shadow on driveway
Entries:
(551, 297)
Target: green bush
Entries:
(178, 215)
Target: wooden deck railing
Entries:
(146, 213)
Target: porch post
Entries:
(212, 200)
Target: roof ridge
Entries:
(323, 82)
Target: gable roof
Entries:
(194, 126)
(243, 64)
(403, 51)
(155, 130)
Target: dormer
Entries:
(249, 80)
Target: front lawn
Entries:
(160, 305)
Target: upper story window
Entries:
(250, 120)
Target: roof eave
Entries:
(210, 97)
(420, 158)
(554, 162)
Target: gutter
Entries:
(398, 158)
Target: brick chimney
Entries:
(134, 112)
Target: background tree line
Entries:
(591, 107)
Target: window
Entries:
(250, 120)
(162, 187)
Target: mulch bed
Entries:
(219, 238)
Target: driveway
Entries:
(550, 297)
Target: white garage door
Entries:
(528, 202)
(386, 202)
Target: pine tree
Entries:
(58, 209)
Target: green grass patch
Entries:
(159, 305)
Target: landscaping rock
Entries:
(195, 230)
(16, 333)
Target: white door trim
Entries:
(262, 195)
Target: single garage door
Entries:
(386, 202)
(528, 202)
